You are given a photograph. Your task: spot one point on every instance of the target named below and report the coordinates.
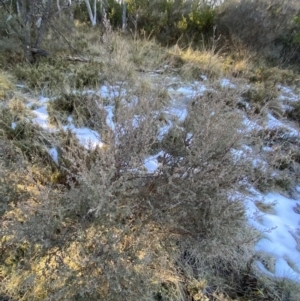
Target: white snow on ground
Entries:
(41, 117)
(111, 91)
(88, 138)
(54, 154)
(180, 113)
(281, 232)
(267, 149)
(190, 91)
(151, 163)
(249, 125)
(43, 99)
(275, 124)
(225, 83)
(109, 117)
(287, 94)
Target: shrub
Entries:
(262, 26)
(170, 21)
(6, 85)
(294, 112)
(93, 234)
(83, 108)
(56, 76)
(263, 96)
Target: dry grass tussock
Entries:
(88, 237)
(112, 58)
(6, 85)
(196, 63)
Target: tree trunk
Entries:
(93, 17)
(44, 21)
(18, 8)
(101, 10)
(26, 8)
(123, 15)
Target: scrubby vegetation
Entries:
(92, 221)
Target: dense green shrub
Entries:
(170, 21)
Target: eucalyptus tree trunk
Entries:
(123, 15)
(92, 15)
(18, 8)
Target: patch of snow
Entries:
(41, 117)
(285, 89)
(250, 125)
(151, 163)
(203, 77)
(273, 124)
(267, 149)
(286, 108)
(163, 130)
(226, 83)
(191, 91)
(110, 116)
(43, 99)
(20, 86)
(180, 113)
(88, 138)
(89, 91)
(279, 228)
(237, 154)
(54, 154)
(289, 94)
(111, 92)
(258, 163)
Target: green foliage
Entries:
(57, 75)
(201, 20)
(11, 51)
(297, 29)
(83, 108)
(170, 20)
(294, 112)
(262, 96)
(114, 13)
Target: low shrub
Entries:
(6, 86)
(294, 112)
(55, 76)
(263, 27)
(94, 232)
(262, 97)
(84, 109)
